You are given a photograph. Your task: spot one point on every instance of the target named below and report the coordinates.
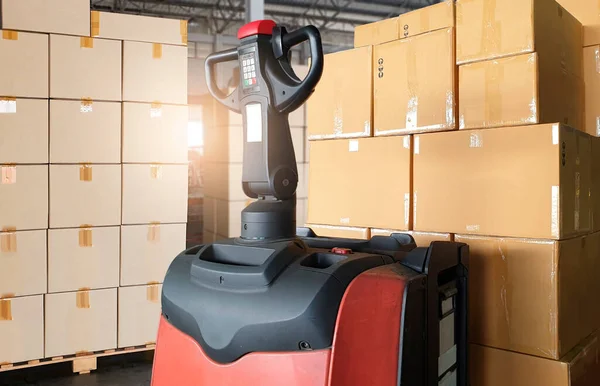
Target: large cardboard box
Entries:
(340, 232)
(533, 296)
(85, 195)
(68, 17)
(23, 197)
(81, 322)
(24, 58)
(342, 104)
(361, 183)
(121, 26)
(211, 237)
(85, 132)
(164, 198)
(493, 367)
(591, 77)
(588, 13)
(21, 329)
(85, 68)
(155, 133)
(414, 87)
(22, 263)
(527, 181)
(154, 72)
(24, 131)
(147, 251)
(84, 258)
(422, 239)
(139, 314)
(518, 90)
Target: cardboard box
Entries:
(165, 195)
(595, 188)
(415, 86)
(591, 77)
(588, 13)
(21, 329)
(493, 367)
(528, 181)
(301, 212)
(533, 296)
(68, 17)
(489, 29)
(24, 58)
(147, 251)
(155, 133)
(154, 72)
(339, 108)
(121, 26)
(85, 195)
(23, 197)
(350, 183)
(379, 32)
(24, 131)
(518, 90)
(81, 322)
(139, 314)
(84, 258)
(22, 263)
(85, 132)
(211, 237)
(340, 232)
(85, 68)
(422, 239)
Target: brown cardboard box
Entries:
(68, 17)
(22, 263)
(588, 13)
(85, 132)
(147, 251)
(480, 182)
(422, 239)
(139, 314)
(489, 29)
(342, 104)
(361, 183)
(591, 77)
(154, 73)
(493, 367)
(155, 133)
(533, 296)
(595, 188)
(85, 195)
(518, 90)
(83, 258)
(165, 195)
(24, 131)
(379, 32)
(23, 197)
(121, 26)
(81, 322)
(24, 58)
(415, 86)
(211, 237)
(341, 232)
(21, 329)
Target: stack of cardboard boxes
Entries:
(491, 153)
(94, 167)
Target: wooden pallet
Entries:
(82, 363)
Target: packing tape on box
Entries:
(155, 110)
(152, 294)
(491, 36)
(9, 175)
(424, 20)
(555, 200)
(85, 173)
(183, 30)
(85, 236)
(406, 142)
(156, 50)
(86, 105)
(6, 310)
(406, 210)
(412, 86)
(414, 208)
(353, 146)
(475, 139)
(10, 35)
(494, 76)
(156, 172)
(83, 298)
(555, 134)
(416, 144)
(95, 23)
(8, 242)
(472, 228)
(153, 232)
(8, 105)
(86, 42)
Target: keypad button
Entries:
(253, 74)
(252, 61)
(252, 67)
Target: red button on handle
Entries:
(341, 251)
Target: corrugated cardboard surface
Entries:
(595, 191)
(24, 65)
(74, 202)
(69, 17)
(480, 182)
(23, 263)
(149, 79)
(223, 217)
(165, 195)
(84, 132)
(493, 367)
(376, 33)
(138, 316)
(24, 202)
(422, 239)
(73, 265)
(146, 253)
(155, 133)
(24, 132)
(342, 104)
(588, 13)
(341, 232)
(427, 19)
(414, 85)
(138, 28)
(72, 329)
(23, 337)
(381, 199)
(591, 77)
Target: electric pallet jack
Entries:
(280, 306)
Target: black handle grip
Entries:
(209, 66)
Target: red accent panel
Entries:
(258, 27)
(180, 361)
(367, 332)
